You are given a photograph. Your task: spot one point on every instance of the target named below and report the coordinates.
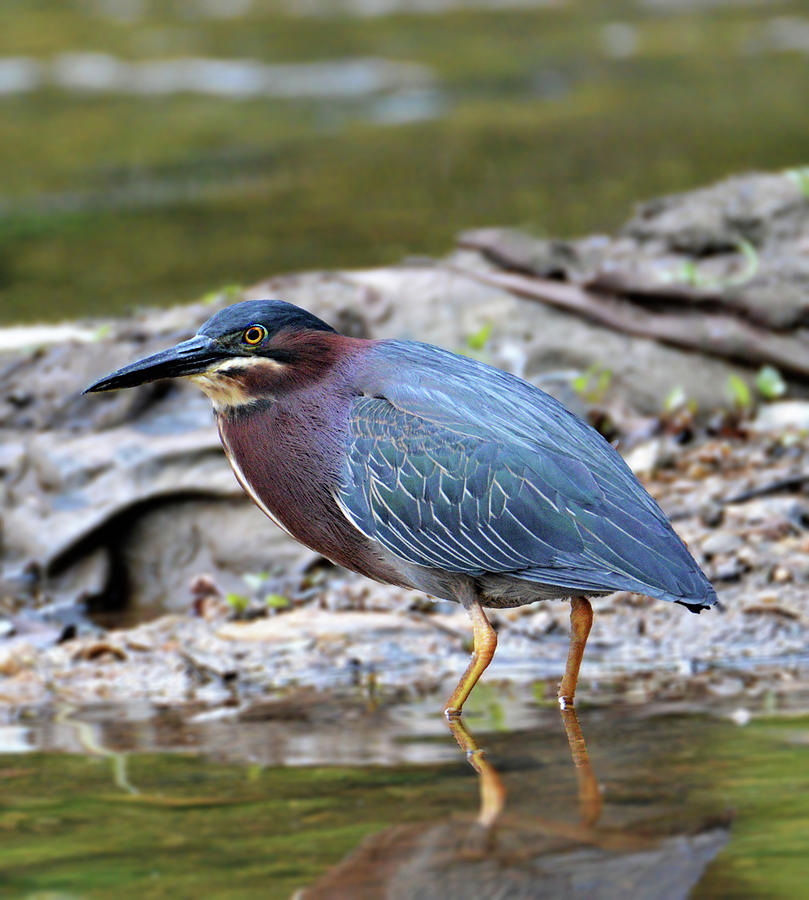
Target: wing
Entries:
(455, 465)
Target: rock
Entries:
(308, 624)
(31, 337)
(780, 416)
(731, 256)
(711, 513)
(721, 543)
(646, 457)
(729, 570)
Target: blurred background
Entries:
(152, 151)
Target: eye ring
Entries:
(254, 334)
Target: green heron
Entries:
(421, 468)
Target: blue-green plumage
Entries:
(452, 464)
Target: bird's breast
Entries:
(287, 458)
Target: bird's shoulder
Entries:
(432, 397)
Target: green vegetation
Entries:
(678, 399)
(801, 178)
(239, 603)
(740, 394)
(770, 383)
(477, 341)
(593, 383)
(112, 201)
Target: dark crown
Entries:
(274, 315)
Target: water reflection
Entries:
(492, 791)
(337, 800)
(515, 856)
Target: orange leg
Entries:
(581, 620)
(485, 643)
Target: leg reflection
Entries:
(589, 792)
(492, 792)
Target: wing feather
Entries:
(455, 465)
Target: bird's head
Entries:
(243, 353)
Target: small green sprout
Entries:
(769, 383)
(276, 601)
(688, 272)
(238, 603)
(740, 393)
(479, 339)
(592, 383)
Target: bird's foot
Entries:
(565, 702)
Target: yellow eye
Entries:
(255, 334)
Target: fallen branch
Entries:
(790, 483)
(713, 334)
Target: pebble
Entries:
(646, 457)
(729, 570)
(722, 543)
(748, 557)
(711, 514)
(726, 687)
(779, 416)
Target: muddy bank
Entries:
(365, 640)
(125, 505)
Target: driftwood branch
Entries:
(710, 333)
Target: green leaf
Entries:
(276, 601)
(769, 383)
(237, 602)
(688, 273)
(739, 392)
(592, 383)
(477, 341)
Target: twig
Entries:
(789, 483)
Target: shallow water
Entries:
(265, 808)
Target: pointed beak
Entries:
(190, 357)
